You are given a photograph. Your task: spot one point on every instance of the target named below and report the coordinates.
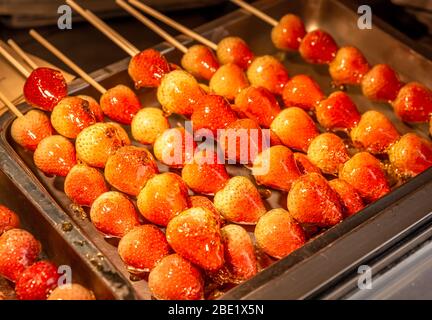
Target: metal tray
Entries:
(303, 270)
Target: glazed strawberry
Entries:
(228, 81)
(411, 155)
(195, 235)
(288, 33)
(239, 253)
(84, 184)
(212, 112)
(413, 103)
(147, 68)
(278, 234)
(179, 92)
(303, 92)
(234, 50)
(311, 200)
(304, 164)
(348, 67)
(200, 61)
(113, 214)
(163, 197)
(71, 115)
(174, 147)
(44, 88)
(55, 155)
(96, 143)
(243, 140)
(120, 104)
(204, 202)
(318, 47)
(268, 72)
(276, 168)
(206, 174)
(37, 281)
(365, 173)
(143, 247)
(8, 219)
(129, 169)
(18, 250)
(239, 201)
(328, 152)
(30, 129)
(295, 128)
(374, 132)
(348, 196)
(148, 124)
(71, 291)
(258, 104)
(175, 278)
(337, 112)
(381, 83)
(94, 107)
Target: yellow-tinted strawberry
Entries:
(94, 107)
(200, 61)
(204, 202)
(73, 291)
(148, 124)
(228, 81)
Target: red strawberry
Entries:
(381, 83)
(147, 68)
(18, 250)
(234, 50)
(200, 61)
(175, 278)
(349, 198)
(304, 164)
(318, 47)
(37, 281)
(348, 67)
(268, 72)
(288, 33)
(44, 88)
(413, 103)
(195, 235)
(8, 219)
(120, 104)
(73, 291)
(303, 92)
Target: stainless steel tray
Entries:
(330, 15)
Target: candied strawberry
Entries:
(175, 278)
(30, 129)
(268, 72)
(113, 214)
(304, 164)
(8, 219)
(234, 50)
(94, 107)
(337, 112)
(84, 184)
(411, 155)
(212, 112)
(204, 202)
(295, 128)
(37, 281)
(44, 88)
(348, 67)
(328, 152)
(164, 196)
(303, 92)
(120, 104)
(148, 124)
(143, 247)
(206, 174)
(129, 169)
(374, 132)
(381, 83)
(276, 168)
(258, 104)
(413, 103)
(228, 81)
(71, 291)
(18, 250)
(278, 234)
(365, 173)
(318, 47)
(348, 196)
(55, 155)
(239, 201)
(200, 61)
(195, 235)
(311, 200)
(288, 33)
(147, 68)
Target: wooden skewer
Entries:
(156, 14)
(150, 24)
(10, 105)
(107, 31)
(22, 54)
(67, 61)
(256, 12)
(14, 62)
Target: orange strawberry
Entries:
(228, 81)
(120, 104)
(381, 83)
(413, 103)
(304, 164)
(348, 67)
(288, 33)
(148, 124)
(318, 47)
(8, 219)
(94, 107)
(303, 92)
(348, 196)
(200, 61)
(234, 50)
(204, 202)
(71, 291)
